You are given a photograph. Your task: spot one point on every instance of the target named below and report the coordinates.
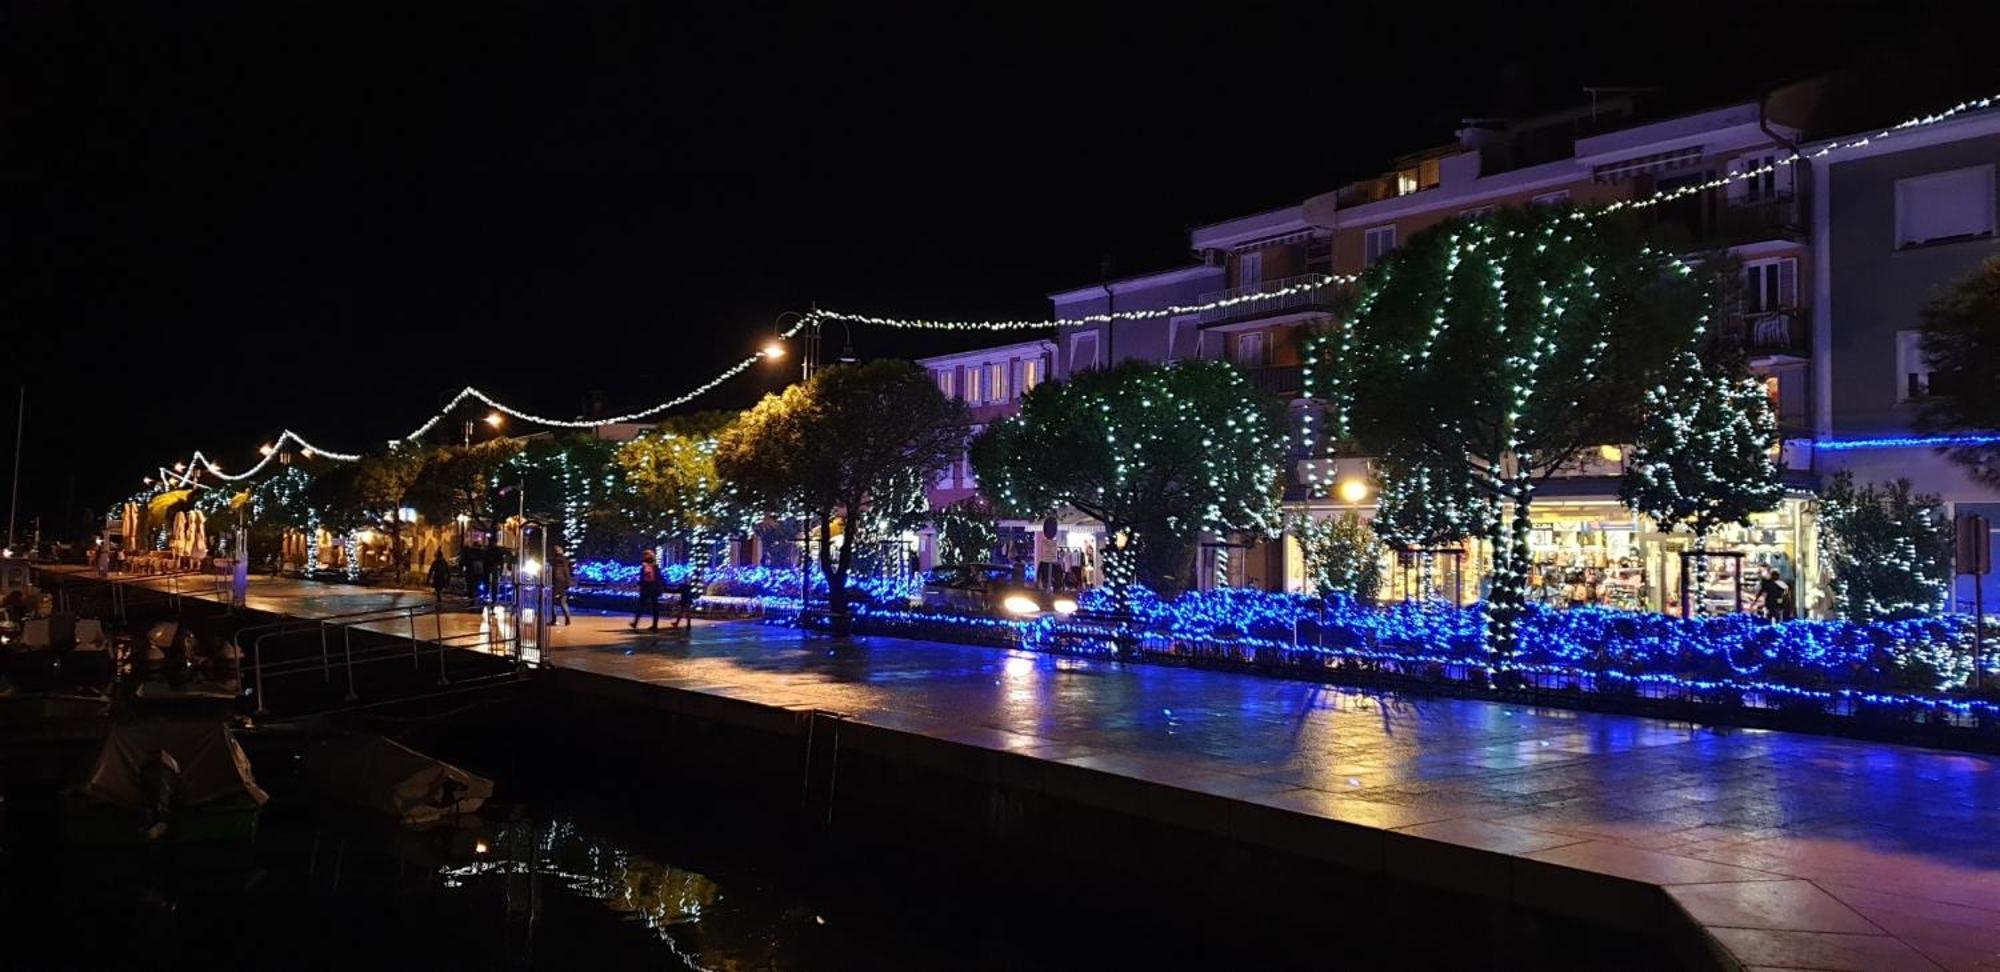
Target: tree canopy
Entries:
(1960, 340)
(1703, 458)
(1491, 352)
(831, 446)
(1157, 453)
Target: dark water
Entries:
(588, 861)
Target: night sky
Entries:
(219, 221)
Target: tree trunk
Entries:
(1698, 598)
(835, 570)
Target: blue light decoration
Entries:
(1908, 442)
(773, 587)
(1841, 667)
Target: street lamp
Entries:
(495, 419)
(809, 359)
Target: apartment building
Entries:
(991, 382)
(1835, 257)
(1897, 221)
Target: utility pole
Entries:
(14, 504)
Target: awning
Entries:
(1681, 158)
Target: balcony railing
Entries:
(1711, 219)
(1280, 380)
(1305, 293)
(1786, 330)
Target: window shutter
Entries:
(1788, 283)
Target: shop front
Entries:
(1595, 551)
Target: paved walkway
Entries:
(1793, 851)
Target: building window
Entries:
(1913, 373)
(1765, 184)
(1555, 198)
(1250, 349)
(966, 478)
(944, 476)
(1083, 351)
(944, 382)
(1250, 268)
(1417, 178)
(972, 385)
(1770, 285)
(1377, 244)
(1944, 206)
(996, 382)
(1031, 374)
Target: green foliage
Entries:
(966, 533)
(366, 493)
(1342, 555)
(574, 485)
(1888, 549)
(842, 445)
(451, 480)
(1703, 458)
(1491, 352)
(1418, 509)
(1160, 452)
(1961, 340)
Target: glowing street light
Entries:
(267, 448)
(495, 419)
(774, 349)
(1353, 491)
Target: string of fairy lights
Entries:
(200, 464)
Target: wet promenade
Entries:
(1789, 851)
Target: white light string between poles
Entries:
(201, 462)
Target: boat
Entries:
(384, 777)
(165, 779)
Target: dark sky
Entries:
(219, 221)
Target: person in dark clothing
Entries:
(559, 583)
(1774, 594)
(652, 584)
(468, 568)
(440, 575)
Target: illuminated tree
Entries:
(836, 444)
(1888, 549)
(1703, 456)
(462, 480)
(1342, 555)
(1156, 453)
(1493, 352)
(674, 487)
(368, 493)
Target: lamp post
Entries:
(809, 342)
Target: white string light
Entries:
(811, 317)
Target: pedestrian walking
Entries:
(559, 581)
(651, 585)
(440, 575)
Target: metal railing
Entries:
(1781, 330)
(261, 669)
(1278, 380)
(1305, 292)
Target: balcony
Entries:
(1784, 331)
(1712, 220)
(1307, 293)
(1284, 381)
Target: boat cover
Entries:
(384, 776)
(212, 766)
